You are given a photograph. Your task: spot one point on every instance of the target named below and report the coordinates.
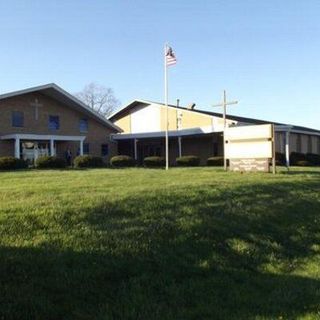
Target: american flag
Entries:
(170, 57)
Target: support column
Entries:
(180, 146)
(52, 151)
(17, 148)
(224, 149)
(81, 148)
(136, 149)
(288, 148)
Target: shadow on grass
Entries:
(208, 253)
(302, 172)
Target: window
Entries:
(83, 125)
(215, 149)
(86, 148)
(17, 119)
(54, 123)
(104, 150)
(298, 142)
(309, 144)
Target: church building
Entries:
(47, 120)
(193, 131)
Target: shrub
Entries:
(50, 162)
(296, 156)
(215, 161)
(188, 161)
(313, 158)
(88, 162)
(154, 162)
(303, 163)
(11, 163)
(122, 161)
(280, 158)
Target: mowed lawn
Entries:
(192, 243)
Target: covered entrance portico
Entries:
(201, 142)
(32, 146)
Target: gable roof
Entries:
(55, 92)
(134, 103)
(118, 113)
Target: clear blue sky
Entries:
(265, 53)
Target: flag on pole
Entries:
(169, 60)
(170, 57)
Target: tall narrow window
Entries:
(86, 148)
(298, 142)
(104, 150)
(283, 142)
(309, 144)
(54, 123)
(83, 125)
(17, 118)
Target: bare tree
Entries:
(99, 98)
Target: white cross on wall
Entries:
(36, 106)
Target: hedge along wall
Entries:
(188, 161)
(122, 161)
(154, 162)
(87, 161)
(49, 162)
(11, 163)
(203, 147)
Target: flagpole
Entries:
(166, 104)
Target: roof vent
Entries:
(191, 106)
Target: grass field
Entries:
(148, 244)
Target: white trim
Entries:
(17, 148)
(160, 134)
(287, 148)
(305, 132)
(24, 136)
(285, 128)
(81, 148)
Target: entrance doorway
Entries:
(31, 150)
(149, 150)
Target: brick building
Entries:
(46, 120)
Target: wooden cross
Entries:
(224, 104)
(36, 106)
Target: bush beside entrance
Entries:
(215, 161)
(11, 163)
(50, 162)
(154, 162)
(122, 161)
(188, 161)
(88, 162)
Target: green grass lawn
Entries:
(192, 243)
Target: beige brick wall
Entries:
(69, 124)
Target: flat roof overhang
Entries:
(162, 134)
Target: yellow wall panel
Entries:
(124, 123)
(188, 119)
